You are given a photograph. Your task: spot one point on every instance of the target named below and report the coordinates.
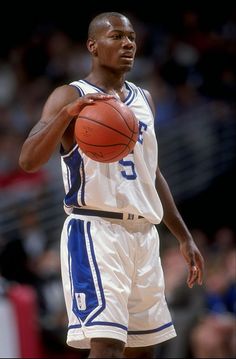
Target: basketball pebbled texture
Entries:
(106, 131)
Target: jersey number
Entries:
(129, 171)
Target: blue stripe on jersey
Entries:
(145, 98)
(131, 95)
(99, 89)
(76, 179)
(74, 326)
(84, 273)
(136, 332)
(128, 99)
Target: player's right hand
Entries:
(74, 108)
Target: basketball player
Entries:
(111, 269)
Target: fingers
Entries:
(195, 266)
(97, 96)
(76, 106)
(200, 268)
(195, 274)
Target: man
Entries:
(111, 270)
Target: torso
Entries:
(124, 186)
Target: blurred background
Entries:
(186, 58)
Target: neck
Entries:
(110, 84)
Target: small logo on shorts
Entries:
(81, 300)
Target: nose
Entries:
(128, 42)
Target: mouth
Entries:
(128, 56)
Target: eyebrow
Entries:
(123, 31)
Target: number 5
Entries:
(128, 172)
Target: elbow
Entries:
(27, 165)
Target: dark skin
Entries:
(112, 49)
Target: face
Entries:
(115, 46)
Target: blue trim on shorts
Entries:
(81, 277)
(109, 324)
(97, 273)
(136, 332)
(130, 332)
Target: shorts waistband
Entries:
(107, 214)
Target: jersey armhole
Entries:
(81, 92)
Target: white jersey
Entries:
(127, 185)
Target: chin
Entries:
(126, 68)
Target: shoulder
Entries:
(60, 97)
(145, 93)
(65, 92)
(149, 100)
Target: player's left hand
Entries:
(195, 262)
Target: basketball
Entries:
(106, 131)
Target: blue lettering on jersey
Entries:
(142, 128)
(129, 170)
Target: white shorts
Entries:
(113, 282)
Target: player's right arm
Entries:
(55, 126)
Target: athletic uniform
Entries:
(111, 269)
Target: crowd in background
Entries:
(189, 67)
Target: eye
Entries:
(117, 36)
(121, 36)
(132, 38)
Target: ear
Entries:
(92, 46)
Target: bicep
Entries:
(58, 99)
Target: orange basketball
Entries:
(106, 131)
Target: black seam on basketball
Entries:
(107, 103)
(111, 128)
(111, 145)
(110, 158)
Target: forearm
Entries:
(42, 142)
(175, 223)
(172, 217)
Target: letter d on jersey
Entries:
(81, 302)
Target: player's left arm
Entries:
(175, 223)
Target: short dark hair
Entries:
(99, 19)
